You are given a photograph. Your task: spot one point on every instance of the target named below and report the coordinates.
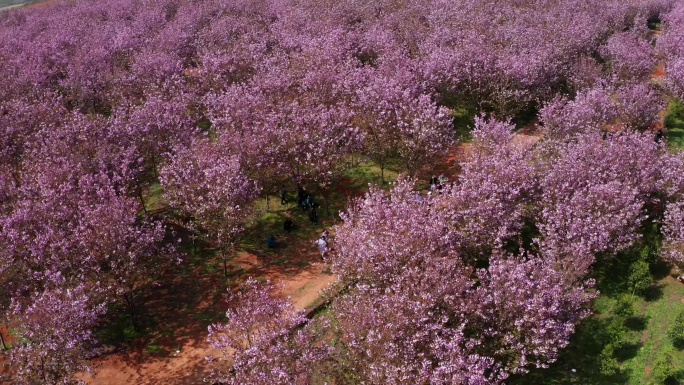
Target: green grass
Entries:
(119, 330)
(271, 223)
(154, 349)
(365, 173)
(674, 123)
(637, 341)
(208, 317)
(8, 7)
(660, 314)
(526, 116)
(464, 122)
(153, 197)
(270, 215)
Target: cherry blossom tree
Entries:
(495, 193)
(669, 45)
(399, 123)
(80, 226)
(54, 335)
(450, 326)
(673, 250)
(207, 185)
(603, 108)
(224, 100)
(630, 57)
(595, 194)
(262, 340)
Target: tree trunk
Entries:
(327, 192)
(2, 341)
(382, 174)
(225, 261)
(128, 299)
(42, 369)
(17, 178)
(142, 200)
(154, 167)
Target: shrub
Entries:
(624, 307)
(640, 278)
(676, 331)
(663, 371)
(154, 349)
(675, 114)
(608, 364)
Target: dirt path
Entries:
(188, 365)
(302, 279)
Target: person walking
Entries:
(301, 197)
(283, 196)
(313, 216)
(322, 247)
(288, 225)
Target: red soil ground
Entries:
(188, 366)
(302, 281)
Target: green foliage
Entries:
(130, 333)
(628, 272)
(663, 370)
(615, 332)
(154, 349)
(119, 330)
(674, 123)
(676, 331)
(640, 278)
(608, 364)
(648, 255)
(675, 110)
(526, 116)
(624, 307)
(464, 121)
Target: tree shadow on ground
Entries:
(654, 292)
(636, 323)
(660, 269)
(627, 351)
